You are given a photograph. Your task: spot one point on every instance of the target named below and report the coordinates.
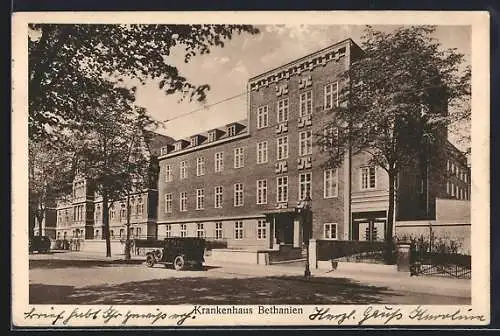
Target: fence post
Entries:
(313, 259)
(403, 256)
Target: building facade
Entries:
(80, 215)
(242, 182)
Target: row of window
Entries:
(456, 170)
(305, 148)
(457, 192)
(64, 216)
(330, 189)
(331, 99)
(136, 210)
(329, 230)
(133, 233)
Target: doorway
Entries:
(369, 226)
(284, 229)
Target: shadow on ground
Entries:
(62, 263)
(202, 290)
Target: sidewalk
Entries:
(392, 279)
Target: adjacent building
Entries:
(80, 215)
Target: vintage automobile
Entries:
(40, 244)
(180, 252)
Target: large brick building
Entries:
(241, 182)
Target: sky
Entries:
(228, 69)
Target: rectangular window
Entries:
(239, 157)
(305, 180)
(139, 207)
(448, 165)
(194, 141)
(282, 115)
(183, 201)
(368, 178)
(331, 95)
(330, 183)
(218, 196)
(238, 230)
(183, 170)
(218, 230)
(448, 187)
(168, 173)
(212, 136)
(306, 103)
(456, 191)
(262, 152)
(168, 203)
(261, 229)
(183, 230)
(200, 166)
(200, 230)
(331, 134)
(330, 231)
(200, 199)
(168, 230)
(452, 189)
(231, 130)
(219, 162)
(282, 148)
(305, 143)
(261, 191)
(282, 189)
(238, 194)
(262, 116)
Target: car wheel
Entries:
(150, 260)
(179, 263)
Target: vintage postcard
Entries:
(314, 169)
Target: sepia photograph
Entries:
(231, 169)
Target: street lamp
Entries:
(304, 210)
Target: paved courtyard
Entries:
(60, 278)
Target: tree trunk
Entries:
(389, 239)
(127, 240)
(31, 222)
(39, 216)
(105, 221)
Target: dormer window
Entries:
(212, 136)
(194, 141)
(231, 130)
(180, 145)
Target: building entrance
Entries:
(284, 229)
(369, 226)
